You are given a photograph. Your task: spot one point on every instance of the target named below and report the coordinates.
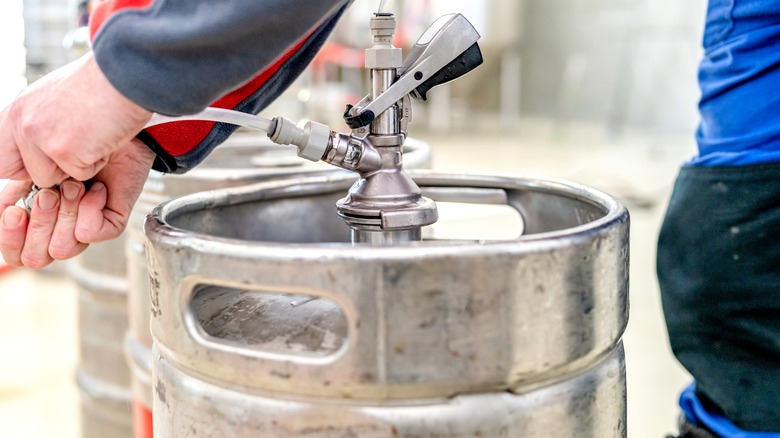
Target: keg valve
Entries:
(385, 206)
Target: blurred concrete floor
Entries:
(38, 333)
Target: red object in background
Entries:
(142, 421)
(3, 266)
(341, 55)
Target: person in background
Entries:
(719, 247)
(78, 132)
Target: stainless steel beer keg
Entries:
(268, 321)
(102, 376)
(246, 158)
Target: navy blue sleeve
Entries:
(177, 56)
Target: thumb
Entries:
(93, 224)
(11, 166)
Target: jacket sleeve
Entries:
(178, 56)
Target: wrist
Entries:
(119, 102)
(142, 152)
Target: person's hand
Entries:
(62, 223)
(67, 124)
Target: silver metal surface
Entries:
(244, 159)
(385, 206)
(589, 404)
(352, 153)
(102, 376)
(385, 201)
(529, 328)
(272, 322)
(105, 409)
(388, 121)
(385, 238)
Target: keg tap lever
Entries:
(444, 52)
(385, 206)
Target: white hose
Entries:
(312, 140)
(385, 7)
(217, 115)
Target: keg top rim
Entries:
(159, 228)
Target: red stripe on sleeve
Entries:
(179, 138)
(104, 9)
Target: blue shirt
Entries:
(740, 84)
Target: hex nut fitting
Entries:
(383, 57)
(315, 141)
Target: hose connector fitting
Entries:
(311, 140)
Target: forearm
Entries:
(178, 56)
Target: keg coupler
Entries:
(385, 206)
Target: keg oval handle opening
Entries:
(275, 322)
(280, 324)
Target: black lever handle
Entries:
(467, 61)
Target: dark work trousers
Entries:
(719, 271)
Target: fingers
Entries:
(80, 166)
(41, 169)
(13, 222)
(92, 226)
(62, 223)
(105, 209)
(25, 240)
(48, 232)
(40, 227)
(13, 192)
(13, 229)
(64, 244)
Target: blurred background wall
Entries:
(12, 51)
(620, 63)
